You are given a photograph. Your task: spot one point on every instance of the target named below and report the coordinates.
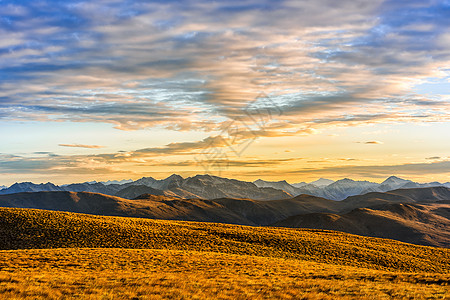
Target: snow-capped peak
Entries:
(322, 182)
(395, 180)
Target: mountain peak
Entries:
(174, 177)
(346, 180)
(322, 182)
(395, 179)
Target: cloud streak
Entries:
(372, 143)
(82, 146)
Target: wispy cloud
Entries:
(162, 64)
(82, 146)
(372, 143)
(420, 171)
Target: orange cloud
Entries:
(81, 146)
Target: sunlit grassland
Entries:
(152, 274)
(76, 255)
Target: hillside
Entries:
(38, 229)
(224, 210)
(68, 255)
(301, 211)
(426, 224)
(135, 191)
(419, 195)
(234, 211)
(112, 273)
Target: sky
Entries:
(278, 90)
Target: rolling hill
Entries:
(54, 255)
(224, 210)
(40, 229)
(308, 211)
(425, 224)
(417, 195)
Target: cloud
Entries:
(82, 146)
(373, 143)
(422, 171)
(412, 169)
(159, 64)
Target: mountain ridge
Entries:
(423, 224)
(210, 187)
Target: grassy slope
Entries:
(425, 224)
(171, 274)
(232, 211)
(181, 260)
(28, 228)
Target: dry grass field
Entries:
(65, 255)
(173, 274)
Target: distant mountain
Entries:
(117, 181)
(3, 187)
(392, 183)
(338, 190)
(343, 188)
(296, 188)
(172, 181)
(134, 191)
(322, 182)
(200, 186)
(279, 185)
(210, 187)
(30, 187)
(97, 187)
(299, 184)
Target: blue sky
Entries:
(124, 89)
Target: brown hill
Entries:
(233, 211)
(424, 224)
(134, 191)
(420, 195)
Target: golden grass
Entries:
(171, 274)
(154, 259)
(29, 228)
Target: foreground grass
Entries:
(39, 229)
(171, 274)
(54, 255)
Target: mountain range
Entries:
(420, 216)
(212, 187)
(341, 189)
(199, 186)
